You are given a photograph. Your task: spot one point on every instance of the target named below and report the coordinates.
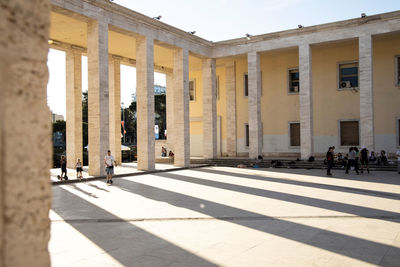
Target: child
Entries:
(79, 169)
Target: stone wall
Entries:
(25, 134)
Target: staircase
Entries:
(285, 163)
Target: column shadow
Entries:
(352, 176)
(350, 246)
(338, 188)
(297, 199)
(74, 186)
(128, 244)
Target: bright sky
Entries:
(217, 20)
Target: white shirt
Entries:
(109, 160)
(398, 155)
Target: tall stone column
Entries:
(145, 103)
(230, 108)
(98, 98)
(115, 109)
(209, 109)
(366, 92)
(74, 107)
(181, 107)
(306, 105)
(170, 111)
(254, 104)
(25, 134)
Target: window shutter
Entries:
(349, 133)
(398, 130)
(295, 134)
(246, 129)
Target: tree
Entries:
(59, 126)
(159, 113)
(85, 118)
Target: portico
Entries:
(205, 109)
(290, 93)
(108, 42)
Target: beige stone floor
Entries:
(219, 216)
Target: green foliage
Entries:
(85, 118)
(59, 126)
(160, 117)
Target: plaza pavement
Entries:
(220, 216)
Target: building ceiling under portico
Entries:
(72, 31)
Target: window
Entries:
(192, 90)
(294, 81)
(246, 134)
(294, 128)
(398, 132)
(349, 133)
(348, 75)
(217, 87)
(246, 84)
(398, 70)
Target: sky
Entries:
(217, 20)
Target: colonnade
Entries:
(104, 97)
(306, 98)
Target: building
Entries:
(56, 117)
(293, 92)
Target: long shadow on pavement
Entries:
(340, 174)
(308, 201)
(126, 243)
(338, 188)
(354, 247)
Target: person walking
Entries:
(329, 160)
(364, 159)
(109, 163)
(63, 163)
(79, 169)
(356, 166)
(398, 161)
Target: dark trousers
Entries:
(329, 166)
(351, 163)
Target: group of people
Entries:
(164, 153)
(109, 163)
(63, 163)
(355, 158)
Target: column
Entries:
(74, 107)
(209, 109)
(25, 134)
(98, 98)
(115, 109)
(254, 105)
(306, 105)
(181, 107)
(170, 111)
(145, 103)
(230, 108)
(366, 92)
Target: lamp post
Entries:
(123, 118)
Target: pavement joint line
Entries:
(96, 178)
(244, 218)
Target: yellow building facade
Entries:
(332, 105)
(287, 94)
